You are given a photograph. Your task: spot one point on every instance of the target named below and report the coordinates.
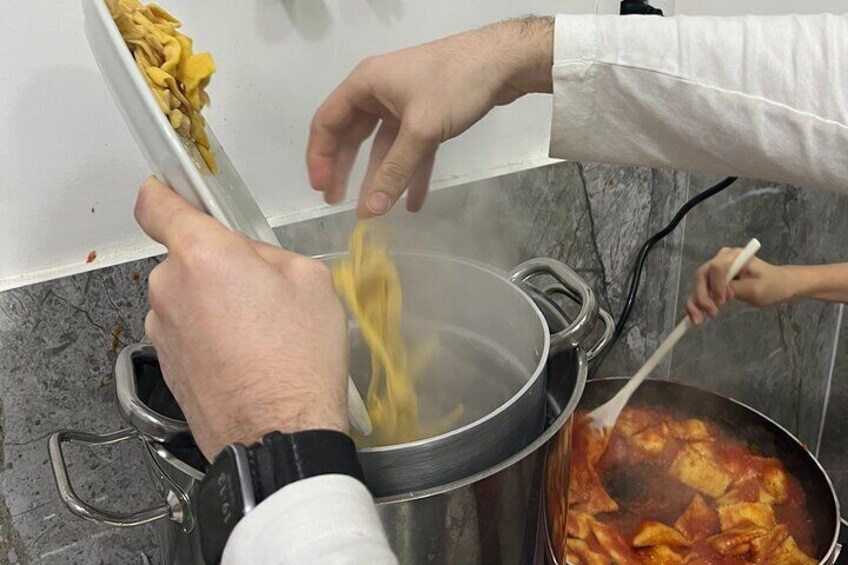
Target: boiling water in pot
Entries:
(463, 369)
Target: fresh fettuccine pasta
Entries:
(176, 75)
(369, 283)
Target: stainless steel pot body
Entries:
(485, 512)
(492, 349)
(491, 517)
(749, 425)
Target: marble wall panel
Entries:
(58, 344)
(833, 445)
(58, 340)
(777, 359)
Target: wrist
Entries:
(315, 419)
(800, 280)
(248, 428)
(525, 51)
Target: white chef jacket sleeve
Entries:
(329, 520)
(762, 97)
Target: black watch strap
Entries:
(281, 459)
(242, 477)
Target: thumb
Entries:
(407, 154)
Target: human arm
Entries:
(421, 97)
(253, 339)
(762, 284)
(753, 96)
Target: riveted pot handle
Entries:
(608, 329)
(565, 333)
(172, 509)
(555, 316)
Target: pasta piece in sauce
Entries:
(698, 521)
(662, 500)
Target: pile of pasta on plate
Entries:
(176, 75)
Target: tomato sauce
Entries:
(637, 476)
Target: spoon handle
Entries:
(685, 324)
(743, 258)
(677, 333)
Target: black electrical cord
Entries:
(642, 7)
(636, 274)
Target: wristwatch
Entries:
(243, 476)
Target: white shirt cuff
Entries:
(329, 519)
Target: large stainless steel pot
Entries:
(494, 343)
(479, 504)
(770, 439)
(493, 350)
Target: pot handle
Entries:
(606, 335)
(569, 333)
(556, 317)
(172, 508)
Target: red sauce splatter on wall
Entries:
(117, 332)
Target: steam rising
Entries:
(476, 221)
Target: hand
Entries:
(251, 338)
(423, 95)
(759, 284)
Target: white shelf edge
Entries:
(131, 253)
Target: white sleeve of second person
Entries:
(326, 520)
(755, 96)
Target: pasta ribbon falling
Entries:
(176, 75)
(369, 283)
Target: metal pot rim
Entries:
(567, 412)
(550, 431)
(838, 521)
(539, 369)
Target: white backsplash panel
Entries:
(69, 169)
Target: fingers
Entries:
(719, 269)
(717, 280)
(325, 138)
(168, 218)
(383, 141)
(694, 312)
(711, 290)
(701, 295)
(420, 185)
(338, 129)
(321, 151)
(341, 173)
(409, 153)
